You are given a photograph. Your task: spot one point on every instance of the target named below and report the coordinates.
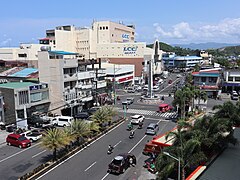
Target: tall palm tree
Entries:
(228, 111)
(200, 95)
(55, 139)
(79, 129)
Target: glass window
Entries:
(237, 79)
(103, 27)
(203, 79)
(100, 28)
(106, 27)
(230, 78)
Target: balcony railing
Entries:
(85, 75)
(70, 77)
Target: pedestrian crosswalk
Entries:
(150, 113)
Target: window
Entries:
(237, 79)
(100, 28)
(203, 79)
(23, 97)
(230, 78)
(22, 55)
(106, 27)
(103, 27)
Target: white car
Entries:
(179, 75)
(32, 136)
(136, 119)
(156, 88)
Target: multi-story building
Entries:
(231, 80)
(23, 96)
(72, 84)
(209, 80)
(2, 116)
(171, 60)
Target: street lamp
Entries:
(179, 163)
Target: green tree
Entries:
(79, 129)
(55, 139)
(200, 95)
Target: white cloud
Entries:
(227, 30)
(6, 42)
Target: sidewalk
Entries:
(3, 135)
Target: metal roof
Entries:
(62, 53)
(16, 85)
(24, 73)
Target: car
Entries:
(130, 100)
(92, 110)
(164, 108)
(155, 88)
(37, 121)
(179, 75)
(18, 140)
(82, 115)
(131, 89)
(32, 136)
(121, 163)
(170, 81)
(43, 130)
(152, 129)
(136, 119)
(234, 96)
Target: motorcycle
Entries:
(110, 150)
(140, 126)
(150, 165)
(129, 127)
(131, 135)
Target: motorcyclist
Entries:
(140, 124)
(110, 148)
(130, 126)
(132, 134)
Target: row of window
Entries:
(23, 97)
(235, 79)
(103, 27)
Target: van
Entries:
(63, 121)
(131, 90)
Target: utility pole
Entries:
(114, 84)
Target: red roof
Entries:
(44, 39)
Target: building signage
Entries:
(36, 87)
(39, 86)
(125, 36)
(130, 50)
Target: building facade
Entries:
(18, 96)
(209, 80)
(231, 80)
(72, 84)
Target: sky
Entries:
(171, 21)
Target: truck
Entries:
(156, 145)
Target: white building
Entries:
(72, 84)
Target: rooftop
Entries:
(16, 85)
(62, 53)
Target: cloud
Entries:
(225, 30)
(5, 42)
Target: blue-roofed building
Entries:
(25, 72)
(171, 60)
(209, 80)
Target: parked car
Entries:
(43, 129)
(164, 108)
(234, 96)
(179, 75)
(130, 100)
(155, 88)
(121, 162)
(18, 140)
(136, 119)
(37, 121)
(32, 136)
(152, 129)
(81, 115)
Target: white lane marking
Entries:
(90, 166)
(137, 144)
(117, 144)
(19, 152)
(77, 152)
(39, 153)
(105, 176)
(164, 120)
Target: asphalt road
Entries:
(92, 163)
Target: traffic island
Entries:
(45, 167)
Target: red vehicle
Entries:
(18, 140)
(164, 108)
(170, 81)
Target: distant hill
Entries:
(204, 46)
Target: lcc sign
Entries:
(130, 50)
(125, 36)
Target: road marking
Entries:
(19, 152)
(105, 176)
(137, 144)
(164, 120)
(117, 144)
(90, 166)
(78, 152)
(39, 153)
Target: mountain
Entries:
(204, 46)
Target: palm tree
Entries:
(79, 129)
(200, 95)
(55, 139)
(103, 115)
(228, 111)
